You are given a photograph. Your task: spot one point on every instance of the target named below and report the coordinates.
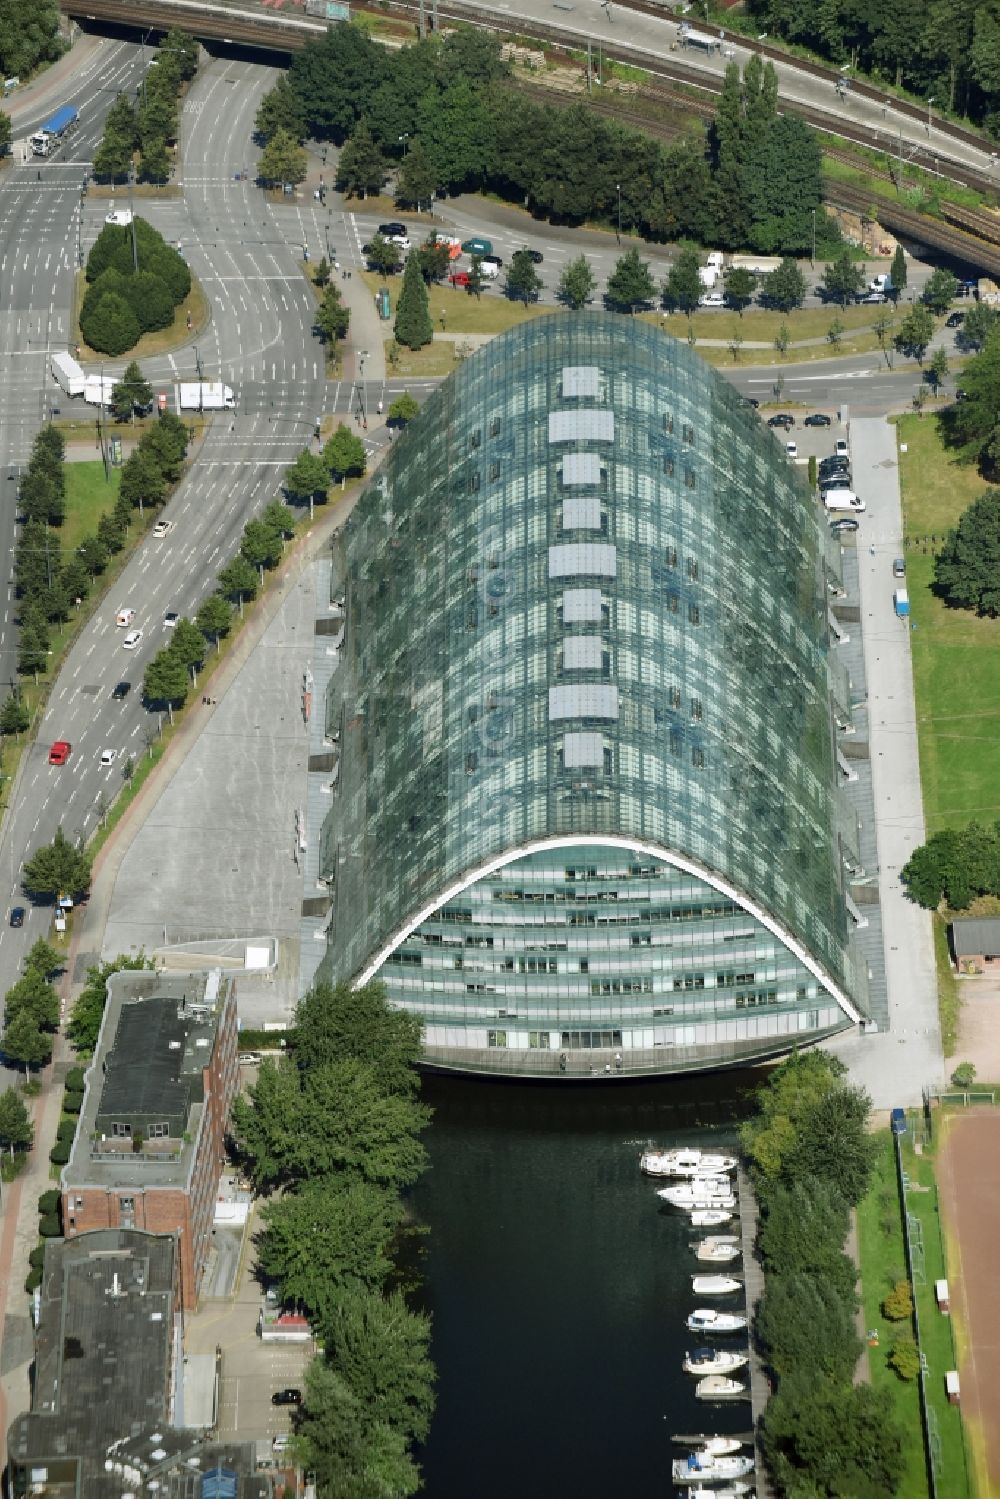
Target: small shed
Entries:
(975, 943)
(941, 1296)
(952, 1387)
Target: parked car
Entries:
(60, 752)
(899, 568)
(817, 419)
(387, 231)
(781, 419)
(792, 449)
(833, 464)
(287, 1397)
(846, 523)
(121, 691)
(535, 256)
(835, 481)
(460, 278)
(493, 260)
(751, 401)
(477, 246)
(841, 449)
(955, 320)
(17, 916)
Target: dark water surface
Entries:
(559, 1286)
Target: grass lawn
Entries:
(956, 656)
(762, 326)
(88, 495)
(883, 1262)
(949, 993)
(722, 358)
(462, 313)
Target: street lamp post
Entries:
(619, 187)
(201, 385)
(930, 101)
(404, 141)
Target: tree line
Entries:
(948, 50)
(330, 1135)
(447, 113)
(149, 126)
(29, 35)
(812, 1161)
(31, 1014)
(133, 287)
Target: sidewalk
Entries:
(54, 80)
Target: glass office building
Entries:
(584, 808)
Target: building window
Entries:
(158, 1131)
(698, 758)
(591, 1040)
(670, 556)
(668, 466)
(687, 432)
(696, 707)
(496, 1038)
(495, 427)
(690, 981)
(122, 1131)
(473, 484)
(668, 422)
(694, 614)
(693, 568)
(126, 1206)
(494, 472)
(475, 439)
(674, 697)
(538, 1040)
(690, 481)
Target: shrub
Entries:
(964, 1075)
(33, 1279)
(66, 1130)
(74, 1080)
(50, 1227)
(72, 1102)
(111, 327)
(50, 1201)
(37, 1256)
(898, 1305)
(150, 299)
(904, 1358)
(60, 1152)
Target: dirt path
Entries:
(968, 1173)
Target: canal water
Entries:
(559, 1286)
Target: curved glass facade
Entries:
(586, 630)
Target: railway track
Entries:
(967, 248)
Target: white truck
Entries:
(97, 390)
(67, 374)
(843, 499)
(760, 265)
(206, 396)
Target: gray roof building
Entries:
(976, 937)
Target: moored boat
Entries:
(715, 1285)
(735, 1490)
(690, 1202)
(718, 1251)
(685, 1163)
(703, 1466)
(707, 1319)
(719, 1387)
(710, 1217)
(704, 1361)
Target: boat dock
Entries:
(754, 1287)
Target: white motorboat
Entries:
(718, 1387)
(698, 1186)
(734, 1490)
(704, 1361)
(703, 1466)
(685, 1163)
(710, 1217)
(718, 1446)
(703, 1198)
(715, 1285)
(707, 1319)
(718, 1251)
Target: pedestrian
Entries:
(607, 1069)
(871, 549)
(380, 408)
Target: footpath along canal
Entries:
(559, 1286)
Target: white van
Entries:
(843, 499)
(712, 299)
(124, 618)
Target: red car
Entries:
(60, 752)
(460, 278)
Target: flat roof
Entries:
(586, 700)
(586, 424)
(581, 513)
(583, 559)
(581, 468)
(583, 751)
(582, 606)
(581, 380)
(583, 653)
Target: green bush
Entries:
(37, 1256)
(75, 1078)
(50, 1227)
(111, 326)
(50, 1201)
(72, 1102)
(149, 297)
(66, 1130)
(904, 1358)
(964, 1075)
(60, 1152)
(33, 1279)
(898, 1305)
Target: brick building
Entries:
(149, 1147)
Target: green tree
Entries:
(898, 272)
(16, 1129)
(802, 1228)
(898, 1304)
(523, 282)
(967, 569)
(845, 1440)
(804, 1322)
(333, 319)
(455, 128)
(781, 342)
(476, 277)
(154, 162)
(110, 326)
(24, 1042)
(630, 284)
(977, 325)
(784, 186)
(215, 616)
(183, 48)
(915, 332)
(280, 110)
(34, 996)
(335, 78)
(14, 715)
(740, 287)
(166, 680)
(166, 441)
(434, 256)
(940, 290)
(361, 168)
(683, 286)
(843, 280)
(308, 478)
(791, 1091)
(416, 184)
(327, 1238)
(381, 1350)
(344, 454)
(190, 645)
(88, 1010)
(282, 160)
(347, 1452)
(384, 256)
(279, 517)
(238, 580)
(32, 648)
(261, 545)
(785, 288)
(401, 412)
(835, 333)
(335, 1021)
(577, 283)
(6, 132)
(413, 325)
(142, 481)
(964, 1075)
(131, 393)
(833, 1144)
(113, 157)
(904, 1358)
(937, 370)
(42, 959)
(57, 868)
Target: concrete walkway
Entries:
(894, 1067)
